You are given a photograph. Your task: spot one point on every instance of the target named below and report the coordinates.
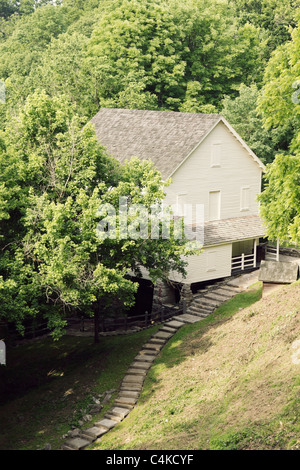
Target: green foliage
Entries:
(280, 201)
(63, 70)
(60, 64)
(21, 7)
(178, 56)
(273, 18)
(52, 257)
(282, 72)
(243, 115)
(22, 50)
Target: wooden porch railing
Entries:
(272, 252)
(243, 262)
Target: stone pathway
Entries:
(204, 303)
(130, 389)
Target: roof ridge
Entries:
(161, 111)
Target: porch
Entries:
(246, 255)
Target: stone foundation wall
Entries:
(163, 294)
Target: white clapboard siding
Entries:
(219, 163)
(212, 263)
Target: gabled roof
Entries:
(165, 137)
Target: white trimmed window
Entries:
(214, 205)
(215, 155)
(211, 261)
(245, 198)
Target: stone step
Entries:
(94, 432)
(126, 400)
(201, 306)
(149, 352)
(137, 372)
(136, 379)
(115, 418)
(121, 400)
(186, 318)
(131, 387)
(130, 393)
(200, 309)
(175, 324)
(64, 447)
(77, 443)
(210, 302)
(224, 293)
(105, 423)
(161, 341)
(199, 303)
(119, 411)
(141, 365)
(215, 297)
(124, 405)
(200, 315)
(163, 335)
(153, 347)
(142, 356)
(168, 329)
(231, 288)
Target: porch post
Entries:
(254, 252)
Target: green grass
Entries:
(282, 432)
(46, 386)
(184, 406)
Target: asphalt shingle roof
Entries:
(165, 137)
(235, 229)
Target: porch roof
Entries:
(218, 232)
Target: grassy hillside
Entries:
(229, 382)
(47, 386)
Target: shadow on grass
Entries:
(45, 382)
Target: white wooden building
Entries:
(209, 164)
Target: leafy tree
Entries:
(281, 82)
(174, 54)
(280, 201)
(138, 43)
(274, 18)
(279, 104)
(22, 7)
(7, 8)
(52, 259)
(219, 53)
(63, 70)
(242, 114)
(22, 50)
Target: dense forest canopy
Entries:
(63, 60)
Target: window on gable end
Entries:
(215, 155)
(245, 198)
